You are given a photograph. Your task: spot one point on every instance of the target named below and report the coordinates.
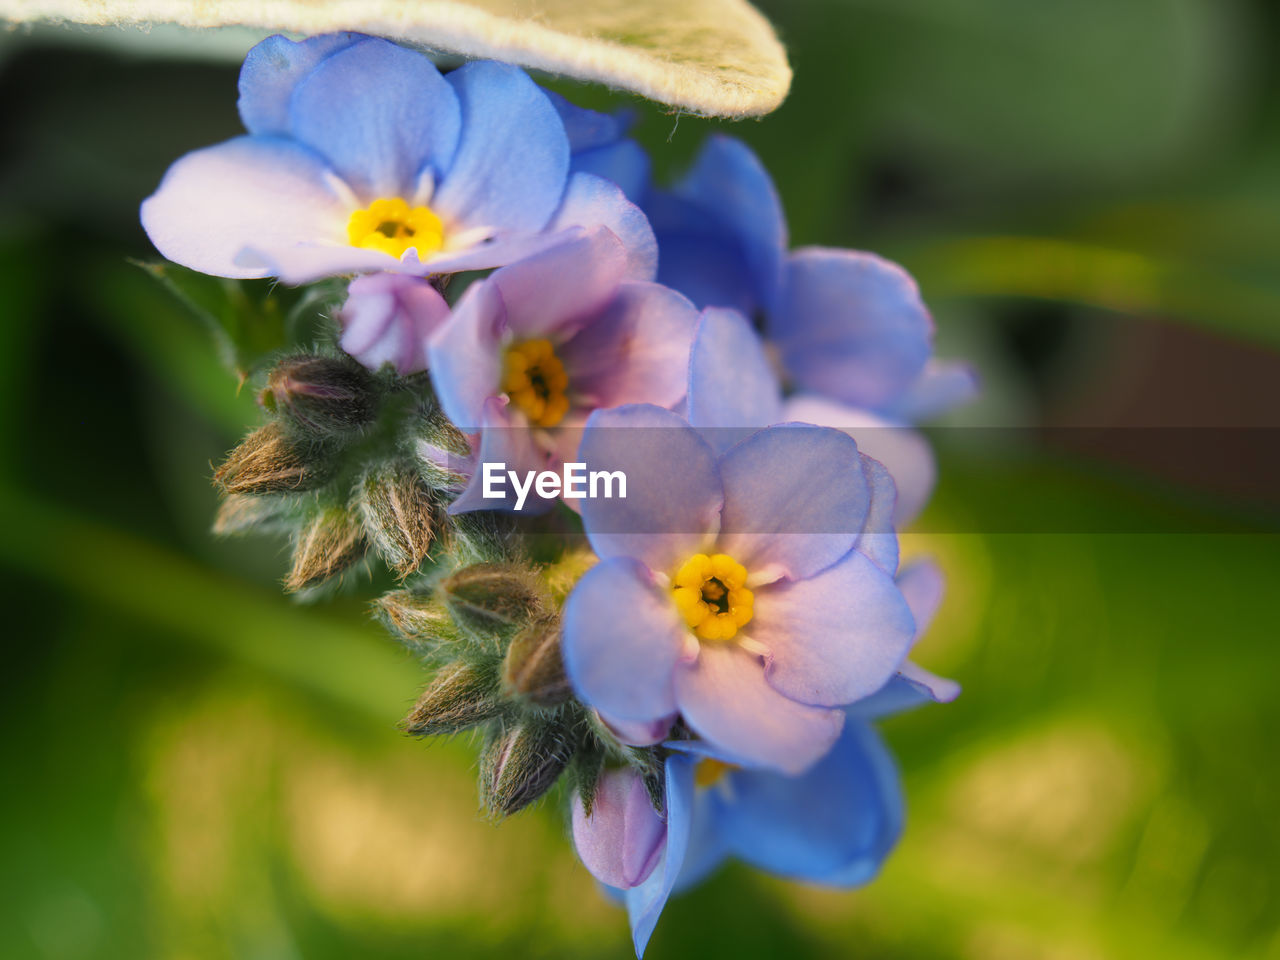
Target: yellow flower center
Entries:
(710, 595)
(710, 771)
(534, 378)
(392, 226)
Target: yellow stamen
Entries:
(392, 226)
(710, 771)
(535, 380)
(709, 593)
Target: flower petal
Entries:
(591, 201)
(878, 540)
(624, 163)
(273, 68)
(388, 318)
(940, 387)
(731, 384)
(851, 326)
(636, 350)
(622, 839)
(835, 824)
(252, 191)
(379, 113)
(622, 641)
(834, 637)
(513, 158)
(511, 445)
(922, 584)
(795, 500)
(638, 734)
(724, 698)
(911, 687)
(540, 303)
(645, 902)
(674, 493)
(903, 450)
(465, 355)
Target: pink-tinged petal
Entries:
(911, 687)
(673, 491)
(249, 192)
(878, 540)
(272, 70)
(465, 355)
(591, 201)
(622, 839)
(388, 318)
(622, 641)
(904, 451)
(635, 734)
(922, 584)
(307, 262)
(725, 699)
(507, 442)
(795, 501)
(379, 113)
(834, 637)
(939, 689)
(636, 350)
(555, 292)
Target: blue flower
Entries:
(598, 144)
(750, 593)
(833, 825)
(847, 325)
(362, 157)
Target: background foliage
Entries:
(1089, 194)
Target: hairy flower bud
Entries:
(266, 461)
(521, 764)
(240, 513)
(493, 598)
(322, 394)
(415, 617)
(328, 544)
(459, 697)
(398, 511)
(533, 668)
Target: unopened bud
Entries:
(521, 764)
(325, 546)
(241, 513)
(266, 461)
(459, 697)
(398, 511)
(415, 617)
(323, 394)
(493, 598)
(534, 668)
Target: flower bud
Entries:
(493, 598)
(415, 617)
(533, 668)
(620, 839)
(398, 512)
(459, 697)
(322, 394)
(328, 544)
(240, 513)
(521, 764)
(266, 462)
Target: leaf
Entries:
(709, 57)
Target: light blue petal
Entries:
(795, 500)
(588, 129)
(380, 114)
(910, 688)
(737, 204)
(834, 637)
(673, 489)
(464, 356)
(273, 68)
(879, 541)
(261, 192)
(645, 902)
(940, 387)
(851, 326)
(624, 163)
(835, 824)
(622, 641)
(697, 257)
(731, 384)
(591, 202)
(922, 584)
(513, 158)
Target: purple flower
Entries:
(362, 157)
(533, 349)
(847, 326)
(388, 318)
(752, 592)
(622, 839)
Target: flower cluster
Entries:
(704, 666)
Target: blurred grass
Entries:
(200, 768)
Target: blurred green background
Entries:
(1089, 193)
